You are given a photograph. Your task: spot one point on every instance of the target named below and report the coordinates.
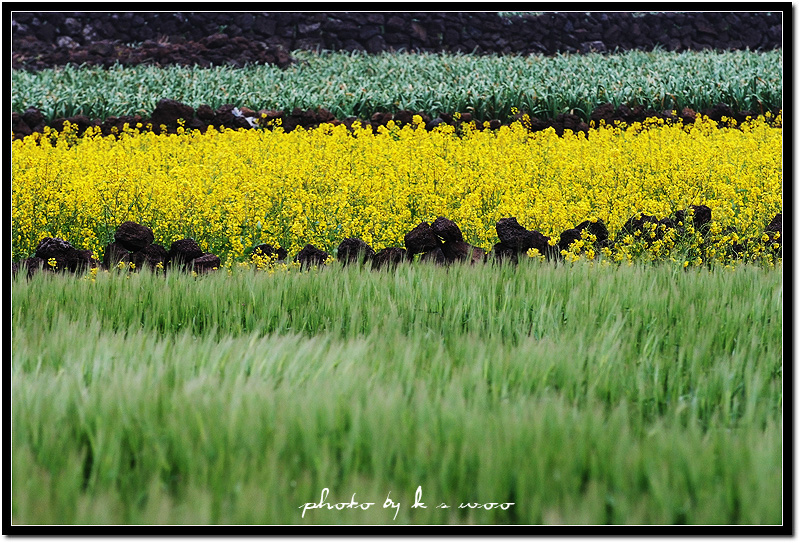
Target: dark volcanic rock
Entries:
(311, 256)
(421, 239)
(205, 113)
(205, 263)
(389, 257)
(350, 248)
(636, 224)
(505, 253)
(45, 39)
(667, 223)
(150, 256)
(568, 237)
(81, 260)
(776, 225)
(18, 126)
(455, 250)
(718, 111)
(265, 249)
(183, 251)
(701, 216)
(597, 229)
(34, 119)
(434, 255)
(604, 112)
(115, 253)
(774, 230)
(167, 112)
(133, 236)
(477, 255)
(447, 229)
(65, 255)
(53, 248)
(514, 235)
(462, 251)
(32, 265)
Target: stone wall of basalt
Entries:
(546, 33)
(440, 242)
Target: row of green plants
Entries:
(358, 84)
(582, 395)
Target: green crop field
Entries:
(359, 84)
(646, 394)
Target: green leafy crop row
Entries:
(359, 84)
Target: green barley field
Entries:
(579, 394)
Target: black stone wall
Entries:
(547, 33)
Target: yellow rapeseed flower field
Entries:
(231, 190)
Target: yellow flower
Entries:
(231, 190)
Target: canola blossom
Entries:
(231, 190)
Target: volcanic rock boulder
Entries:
(311, 256)
(115, 253)
(668, 223)
(447, 230)
(167, 112)
(603, 112)
(205, 113)
(476, 255)
(150, 256)
(636, 224)
(267, 250)
(775, 226)
(66, 257)
(18, 126)
(701, 216)
(52, 248)
(505, 253)
(567, 238)
(514, 235)
(688, 115)
(389, 257)
(598, 229)
(434, 255)
(350, 249)
(205, 263)
(718, 111)
(421, 239)
(32, 265)
(34, 118)
(82, 259)
(647, 228)
(133, 236)
(403, 116)
(225, 116)
(183, 251)
(774, 230)
(455, 250)
(462, 251)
